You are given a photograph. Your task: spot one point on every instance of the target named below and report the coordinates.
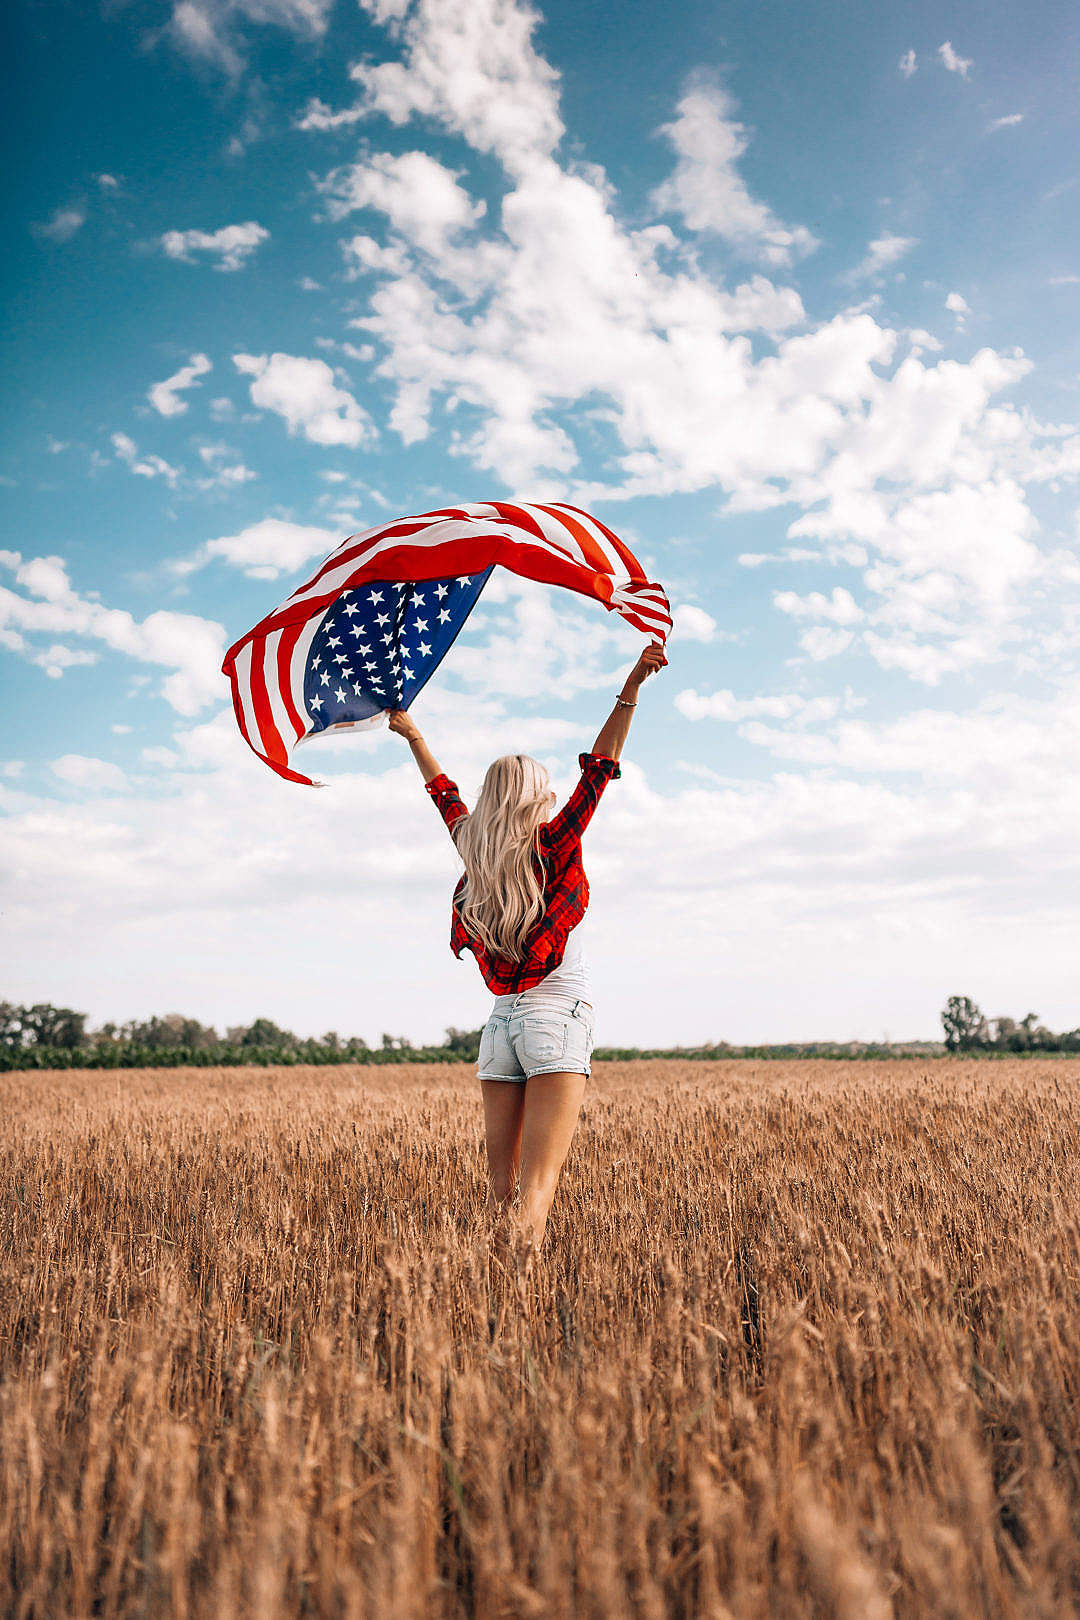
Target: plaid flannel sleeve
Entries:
(597, 770)
(448, 801)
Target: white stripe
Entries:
(298, 667)
(286, 729)
(442, 533)
(243, 687)
(616, 567)
(557, 531)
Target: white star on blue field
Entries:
(378, 647)
(787, 297)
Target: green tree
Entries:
(964, 1024)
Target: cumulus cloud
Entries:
(908, 64)
(264, 550)
(232, 245)
(191, 647)
(92, 775)
(212, 31)
(708, 192)
(222, 473)
(473, 68)
(959, 306)
(422, 200)
(953, 62)
(882, 253)
(146, 466)
(62, 224)
(839, 608)
(163, 395)
(303, 392)
(56, 659)
(692, 623)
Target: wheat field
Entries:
(803, 1341)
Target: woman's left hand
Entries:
(400, 722)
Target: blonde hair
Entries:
(503, 898)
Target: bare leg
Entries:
(552, 1104)
(504, 1113)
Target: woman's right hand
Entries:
(651, 660)
(399, 721)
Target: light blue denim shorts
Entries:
(523, 1038)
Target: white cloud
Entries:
(473, 68)
(163, 395)
(881, 253)
(56, 659)
(233, 245)
(148, 466)
(304, 393)
(839, 608)
(692, 623)
(726, 706)
(1007, 122)
(263, 550)
(191, 647)
(62, 224)
(212, 30)
(223, 474)
(908, 64)
(954, 63)
(422, 200)
(957, 304)
(821, 642)
(92, 775)
(706, 188)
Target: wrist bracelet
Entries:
(625, 704)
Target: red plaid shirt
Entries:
(558, 864)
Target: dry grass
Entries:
(804, 1341)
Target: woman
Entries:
(518, 908)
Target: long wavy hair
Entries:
(503, 898)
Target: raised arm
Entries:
(614, 731)
(400, 722)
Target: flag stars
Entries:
(419, 625)
(382, 618)
(340, 695)
(324, 678)
(444, 617)
(417, 600)
(425, 650)
(375, 596)
(334, 641)
(441, 591)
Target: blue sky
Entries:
(788, 296)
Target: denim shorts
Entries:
(553, 1036)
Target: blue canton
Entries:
(380, 644)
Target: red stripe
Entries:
(286, 646)
(584, 539)
(630, 562)
(269, 734)
(282, 770)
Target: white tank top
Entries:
(571, 977)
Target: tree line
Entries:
(967, 1030)
(46, 1037)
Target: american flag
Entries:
(368, 630)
